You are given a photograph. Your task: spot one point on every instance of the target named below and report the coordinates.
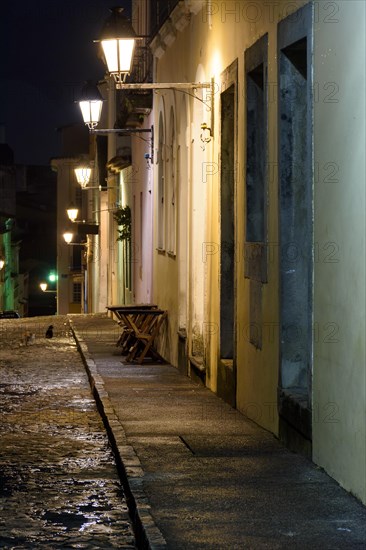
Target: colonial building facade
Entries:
(247, 203)
(259, 226)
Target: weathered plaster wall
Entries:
(212, 43)
(339, 383)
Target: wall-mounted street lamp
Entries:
(118, 40)
(72, 213)
(91, 116)
(83, 173)
(91, 103)
(118, 43)
(84, 227)
(68, 238)
(44, 286)
(178, 86)
(2, 263)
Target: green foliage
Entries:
(123, 218)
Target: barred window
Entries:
(76, 293)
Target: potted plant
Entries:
(122, 217)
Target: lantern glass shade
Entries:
(2, 263)
(83, 174)
(68, 237)
(43, 286)
(72, 213)
(91, 111)
(118, 54)
(118, 43)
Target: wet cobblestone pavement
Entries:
(59, 486)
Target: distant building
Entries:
(9, 284)
(27, 235)
(36, 194)
(70, 258)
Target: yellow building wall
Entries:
(339, 379)
(206, 47)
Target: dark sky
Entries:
(46, 54)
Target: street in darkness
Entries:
(59, 486)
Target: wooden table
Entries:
(141, 324)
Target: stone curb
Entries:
(148, 535)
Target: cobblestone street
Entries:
(59, 487)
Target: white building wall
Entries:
(140, 189)
(103, 254)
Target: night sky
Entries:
(47, 53)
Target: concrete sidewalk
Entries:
(201, 475)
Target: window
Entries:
(256, 144)
(295, 178)
(228, 100)
(76, 293)
(76, 259)
(256, 154)
(256, 183)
